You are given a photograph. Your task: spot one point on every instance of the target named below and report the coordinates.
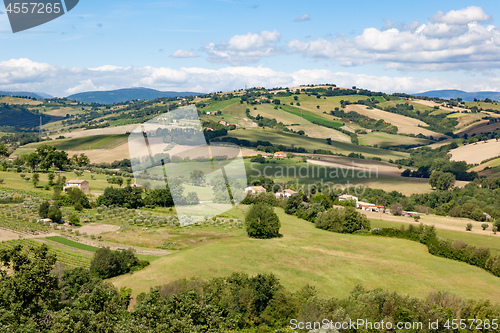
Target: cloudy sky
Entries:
(213, 45)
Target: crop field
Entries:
(476, 152)
(85, 143)
(465, 119)
(382, 139)
(66, 258)
(70, 243)
(234, 113)
(333, 263)
(19, 101)
(406, 125)
(311, 116)
(217, 106)
(288, 139)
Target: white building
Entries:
(81, 184)
(285, 194)
(254, 190)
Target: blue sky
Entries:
(213, 45)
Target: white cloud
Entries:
(244, 49)
(462, 16)
(27, 75)
(456, 41)
(302, 18)
(184, 54)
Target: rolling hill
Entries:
(466, 96)
(125, 95)
(26, 94)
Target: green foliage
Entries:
(346, 220)
(128, 197)
(107, 264)
(262, 222)
(442, 180)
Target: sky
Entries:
(221, 45)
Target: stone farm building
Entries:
(81, 184)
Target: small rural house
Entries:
(369, 206)
(285, 194)
(345, 197)
(254, 190)
(81, 184)
(280, 155)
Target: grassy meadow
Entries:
(333, 263)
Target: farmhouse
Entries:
(345, 197)
(254, 190)
(81, 184)
(368, 206)
(285, 194)
(280, 155)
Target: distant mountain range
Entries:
(466, 96)
(125, 95)
(25, 94)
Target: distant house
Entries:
(409, 214)
(280, 155)
(368, 206)
(13, 158)
(345, 197)
(254, 190)
(285, 194)
(81, 184)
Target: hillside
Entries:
(25, 94)
(332, 263)
(466, 96)
(125, 95)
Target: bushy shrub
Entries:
(262, 222)
(107, 264)
(346, 220)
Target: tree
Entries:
(468, 227)
(55, 214)
(31, 289)
(192, 198)
(197, 177)
(262, 222)
(35, 179)
(485, 226)
(107, 264)
(397, 209)
(3, 150)
(51, 177)
(43, 210)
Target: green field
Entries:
(386, 140)
(333, 263)
(70, 243)
(311, 116)
(217, 106)
(85, 143)
(288, 139)
(486, 241)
